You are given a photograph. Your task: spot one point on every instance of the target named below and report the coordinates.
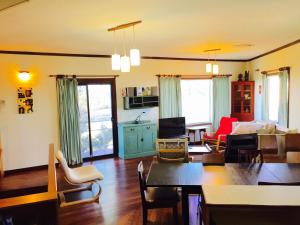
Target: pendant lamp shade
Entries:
(208, 67)
(135, 58)
(215, 69)
(115, 62)
(125, 64)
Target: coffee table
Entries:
(199, 149)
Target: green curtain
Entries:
(283, 111)
(170, 97)
(265, 98)
(67, 98)
(221, 105)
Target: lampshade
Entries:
(24, 76)
(125, 64)
(215, 69)
(208, 67)
(116, 62)
(135, 58)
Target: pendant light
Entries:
(125, 60)
(215, 69)
(208, 67)
(125, 64)
(135, 57)
(115, 58)
(212, 67)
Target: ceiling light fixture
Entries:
(135, 58)
(212, 67)
(124, 62)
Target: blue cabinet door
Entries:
(148, 138)
(131, 140)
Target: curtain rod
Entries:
(196, 76)
(274, 71)
(83, 76)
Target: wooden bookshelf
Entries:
(242, 100)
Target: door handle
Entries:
(142, 139)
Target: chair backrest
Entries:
(275, 183)
(241, 141)
(172, 150)
(142, 181)
(60, 157)
(225, 126)
(292, 142)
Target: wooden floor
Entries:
(120, 202)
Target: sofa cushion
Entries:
(247, 128)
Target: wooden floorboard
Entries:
(119, 203)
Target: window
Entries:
(196, 100)
(273, 97)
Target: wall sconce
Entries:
(24, 76)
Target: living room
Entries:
(66, 38)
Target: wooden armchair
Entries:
(217, 140)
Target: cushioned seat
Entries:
(79, 175)
(85, 174)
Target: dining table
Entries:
(191, 176)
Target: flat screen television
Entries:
(171, 127)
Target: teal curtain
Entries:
(68, 110)
(265, 98)
(221, 106)
(283, 111)
(170, 97)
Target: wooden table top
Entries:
(195, 174)
(254, 195)
(175, 174)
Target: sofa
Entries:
(271, 138)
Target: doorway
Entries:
(98, 117)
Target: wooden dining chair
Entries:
(250, 155)
(172, 150)
(156, 197)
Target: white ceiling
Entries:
(170, 28)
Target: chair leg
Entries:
(175, 213)
(261, 158)
(145, 216)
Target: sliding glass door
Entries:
(97, 117)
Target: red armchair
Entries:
(219, 137)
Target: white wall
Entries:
(26, 137)
(287, 57)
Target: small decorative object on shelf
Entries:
(240, 77)
(247, 75)
(140, 97)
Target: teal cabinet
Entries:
(136, 140)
